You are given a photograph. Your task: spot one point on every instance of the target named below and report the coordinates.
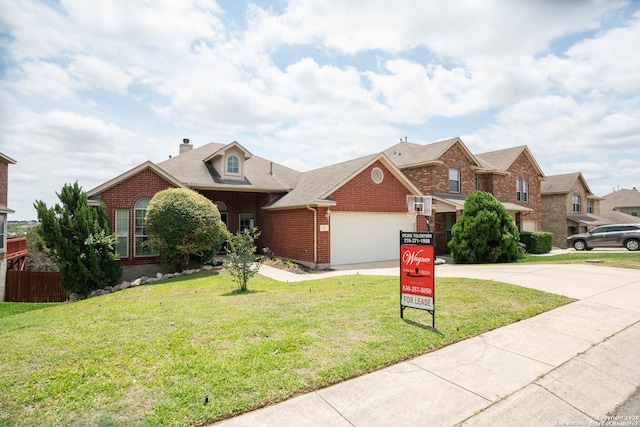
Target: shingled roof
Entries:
(559, 184)
(315, 187)
(501, 160)
(260, 174)
(407, 154)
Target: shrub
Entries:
(183, 227)
(243, 263)
(538, 242)
(485, 232)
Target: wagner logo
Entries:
(414, 257)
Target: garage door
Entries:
(366, 237)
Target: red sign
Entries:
(416, 276)
(417, 288)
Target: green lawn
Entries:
(11, 308)
(610, 259)
(149, 355)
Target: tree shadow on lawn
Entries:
(238, 292)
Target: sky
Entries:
(89, 90)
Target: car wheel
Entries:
(632, 244)
(579, 245)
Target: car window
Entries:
(599, 230)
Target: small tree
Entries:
(77, 238)
(183, 226)
(485, 232)
(243, 263)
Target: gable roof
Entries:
(624, 198)
(407, 154)
(193, 169)
(559, 184)
(316, 186)
(131, 172)
(224, 149)
(501, 160)
(6, 159)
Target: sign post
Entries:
(417, 282)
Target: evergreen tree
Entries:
(485, 232)
(76, 236)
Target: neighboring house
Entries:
(345, 213)
(622, 201)
(449, 172)
(569, 207)
(5, 161)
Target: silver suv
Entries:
(614, 235)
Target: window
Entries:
(522, 190)
(575, 201)
(634, 212)
(122, 232)
(454, 180)
(246, 221)
(590, 206)
(233, 165)
(476, 183)
(450, 219)
(140, 231)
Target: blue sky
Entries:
(89, 90)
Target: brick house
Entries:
(449, 172)
(5, 161)
(345, 213)
(569, 207)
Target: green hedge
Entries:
(536, 242)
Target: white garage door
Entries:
(366, 237)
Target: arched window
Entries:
(233, 165)
(140, 230)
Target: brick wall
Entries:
(435, 178)
(554, 218)
(504, 188)
(125, 195)
(4, 183)
(289, 234)
(361, 194)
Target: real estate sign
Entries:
(417, 289)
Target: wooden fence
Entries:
(34, 286)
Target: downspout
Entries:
(315, 235)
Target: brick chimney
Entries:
(185, 146)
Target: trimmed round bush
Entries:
(183, 227)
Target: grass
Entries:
(612, 259)
(12, 308)
(147, 356)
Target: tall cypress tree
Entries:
(77, 238)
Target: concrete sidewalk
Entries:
(574, 364)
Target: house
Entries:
(623, 201)
(5, 161)
(449, 172)
(345, 213)
(569, 207)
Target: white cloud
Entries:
(93, 72)
(101, 87)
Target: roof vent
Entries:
(185, 146)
